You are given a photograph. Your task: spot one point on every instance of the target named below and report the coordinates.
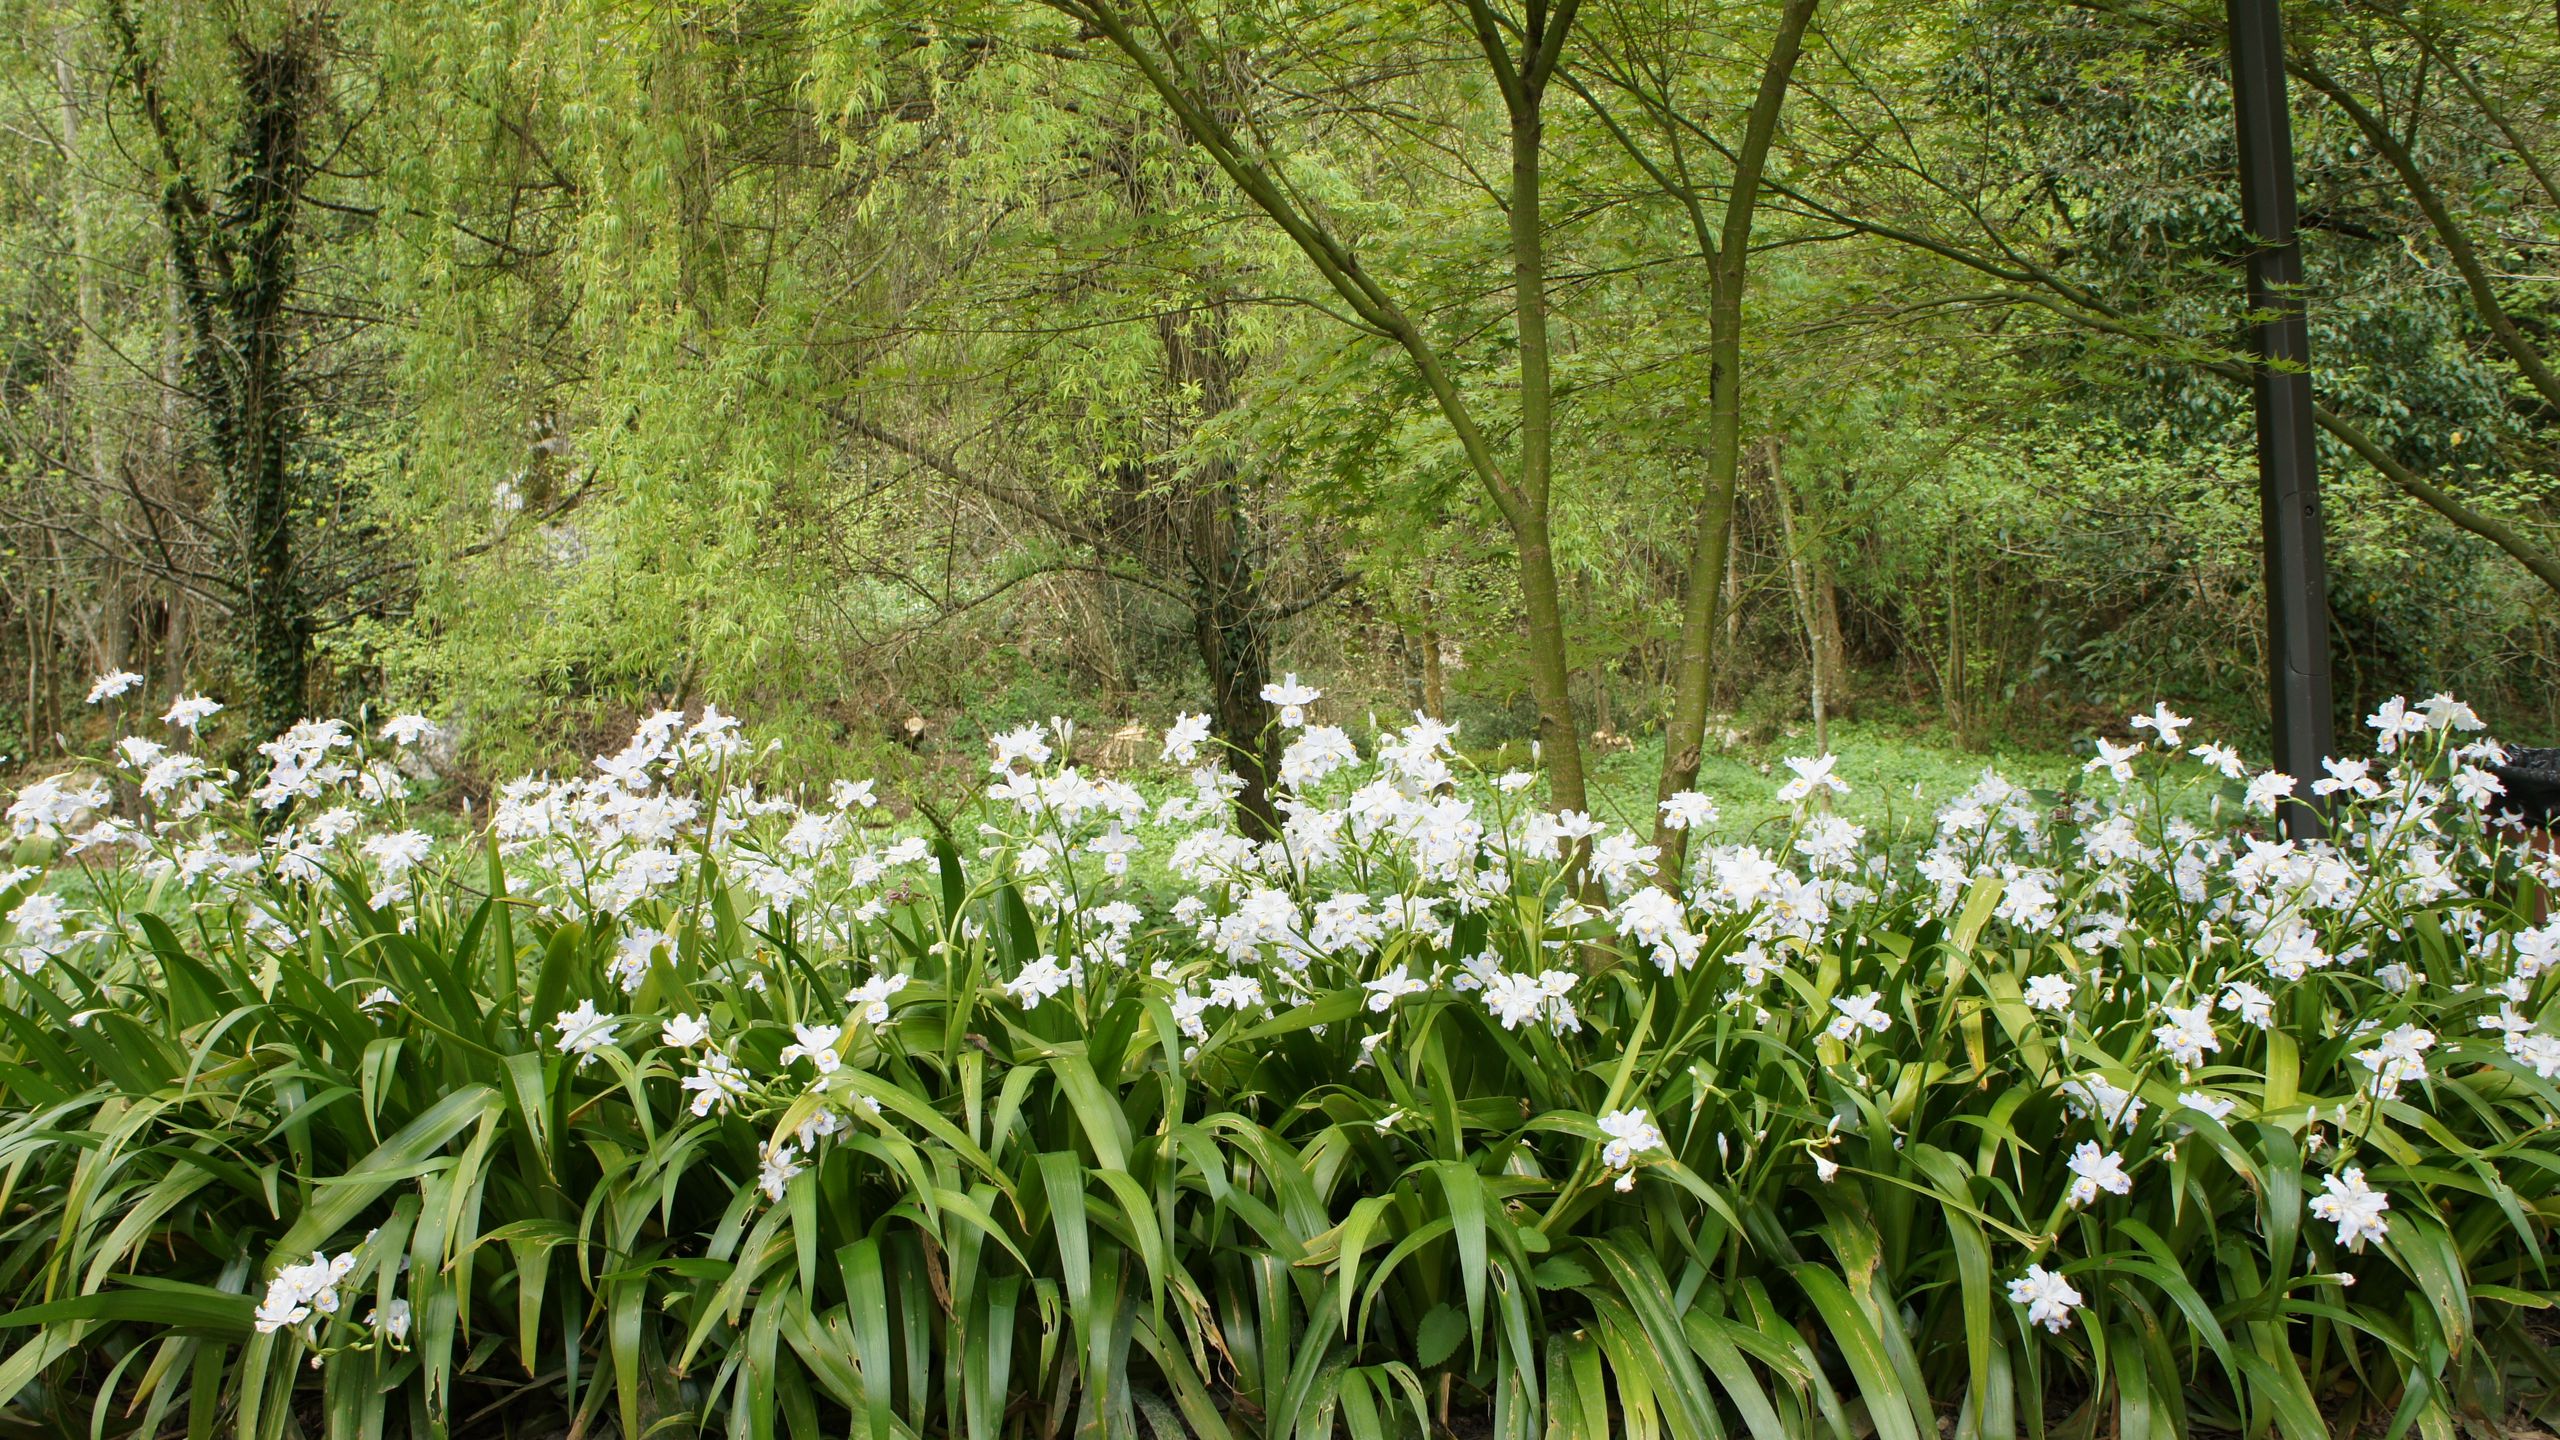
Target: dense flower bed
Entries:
(671, 1100)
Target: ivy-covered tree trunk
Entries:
(256, 475)
(233, 249)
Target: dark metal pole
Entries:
(2288, 463)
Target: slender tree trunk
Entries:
(52, 660)
(1732, 601)
(35, 707)
(1550, 666)
(1824, 587)
(1952, 677)
(174, 641)
(166, 475)
(1728, 257)
(1826, 621)
(1196, 522)
(1435, 692)
(1550, 682)
(114, 629)
(1809, 570)
(1767, 458)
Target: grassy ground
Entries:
(1897, 773)
(1893, 776)
(1898, 777)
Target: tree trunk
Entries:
(1550, 664)
(1951, 677)
(1236, 649)
(1826, 613)
(1731, 603)
(174, 641)
(1826, 621)
(1766, 459)
(236, 262)
(1231, 614)
(1550, 682)
(1727, 257)
(256, 461)
(1231, 627)
(1435, 692)
(1809, 572)
(51, 655)
(89, 362)
(35, 707)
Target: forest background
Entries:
(1595, 373)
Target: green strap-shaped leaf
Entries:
(1637, 1281)
(338, 1205)
(1888, 1408)
(192, 1309)
(866, 1296)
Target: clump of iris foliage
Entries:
(670, 1103)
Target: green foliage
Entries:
(818, 354)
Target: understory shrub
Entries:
(671, 1103)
